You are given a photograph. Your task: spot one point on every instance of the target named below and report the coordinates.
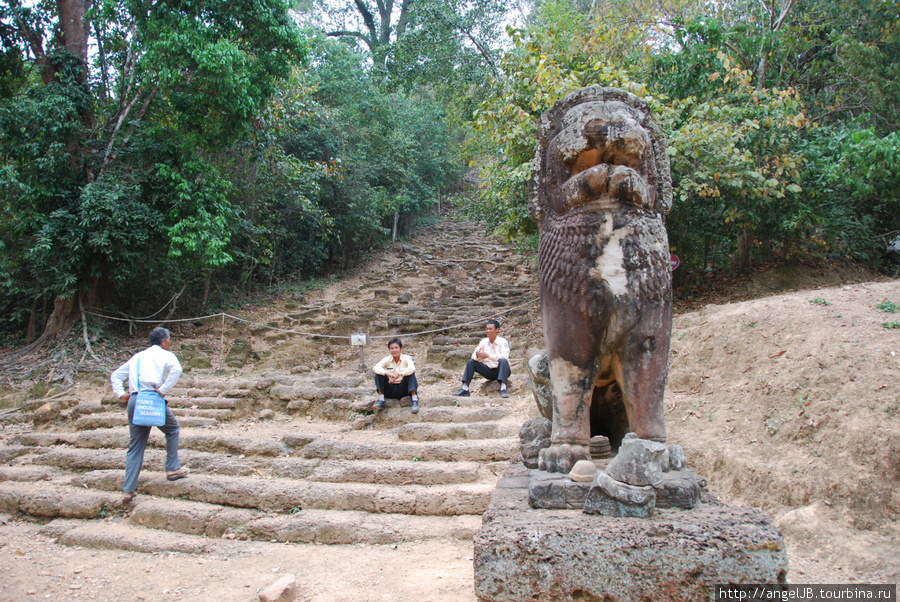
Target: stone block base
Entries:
(526, 554)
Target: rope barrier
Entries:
(224, 315)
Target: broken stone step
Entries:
(474, 400)
(119, 438)
(395, 472)
(48, 500)
(11, 452)
(487, 450)
(110, 420)
(385, 472)
(307, 446)
(441, 414)
(118, 536)
(310, 393)
(219, 403)
(26, 473)
(283, 495)
(442, 432)
(181, 392)
(301, 526)
(203, 413)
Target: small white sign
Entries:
(359, 339)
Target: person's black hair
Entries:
(398, 341)
(495, 323)
(158, 335)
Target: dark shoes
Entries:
(415, 407)
(461, 393)
(503, 393)
(379, 405)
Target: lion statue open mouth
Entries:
(600, 191)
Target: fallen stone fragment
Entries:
(638, 462)
(535, 436)
(609, 497)
(283, 590)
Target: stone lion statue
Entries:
(600, 191)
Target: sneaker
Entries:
(415, 407)
(503, 393)
(379, 405)
(461, 393)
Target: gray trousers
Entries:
(139, 435)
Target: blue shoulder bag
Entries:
(149, 407)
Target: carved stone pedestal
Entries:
(526, 554)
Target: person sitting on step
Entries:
(395, 377)
(490, 359)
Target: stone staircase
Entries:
(285, 445)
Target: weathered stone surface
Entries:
(584, 471)
(552, 490)
(539, 371)
(283, 590)
(600, 447)
(239, 353)
(613, 498)
(535, 436)
(679, 489)
(456, 359)
(47, 412)
(676, 457)
(394, 321)
(525, 554)
(382, 294)
(599, 192)
(638, 462)
(404, 298)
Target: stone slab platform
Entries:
(527, 554)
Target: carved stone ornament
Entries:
(600, 191)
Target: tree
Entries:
(109, 181)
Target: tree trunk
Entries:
(394, 230)
(744, 245)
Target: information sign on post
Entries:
(360, 339)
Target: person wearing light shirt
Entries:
(490, 359)
(159, 371)
(395, 377)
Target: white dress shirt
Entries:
(160, 370)
(499, 348)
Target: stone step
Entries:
(48, 500)
(219, 403)
(305, 446)
(114, 419)
(385, 472)
(485, 450)
(303, 526)
(441, 432)
(444, 414)
(284, 495)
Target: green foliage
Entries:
(888, 306)
(819, 301)
(892, 325)
(546, 63)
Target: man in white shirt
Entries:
(490, 359)
(395, 377)
(159, 371)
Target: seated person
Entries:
(395, 377)
(490, 359)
